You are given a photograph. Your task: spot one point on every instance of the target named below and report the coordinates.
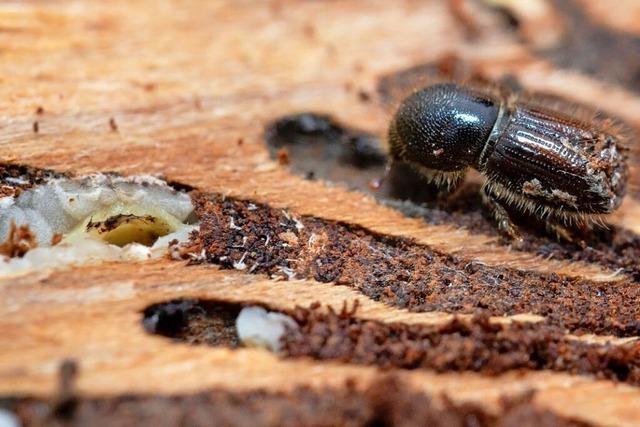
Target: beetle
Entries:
(567, 169)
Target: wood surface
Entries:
(183, 82)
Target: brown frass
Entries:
(400, 272)
(14, 178)
(476, 344)
(19, 241)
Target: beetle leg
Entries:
(563, 233)
(500, 214)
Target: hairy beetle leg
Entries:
(563, 233)
(501, 216)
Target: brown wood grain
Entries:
(182, 82)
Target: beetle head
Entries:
(443, 127)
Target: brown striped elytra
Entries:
(565, 167)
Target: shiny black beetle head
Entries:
(443, 127)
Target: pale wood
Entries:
(184, 81)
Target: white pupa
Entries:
(258, 327)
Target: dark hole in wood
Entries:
(194, 322)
